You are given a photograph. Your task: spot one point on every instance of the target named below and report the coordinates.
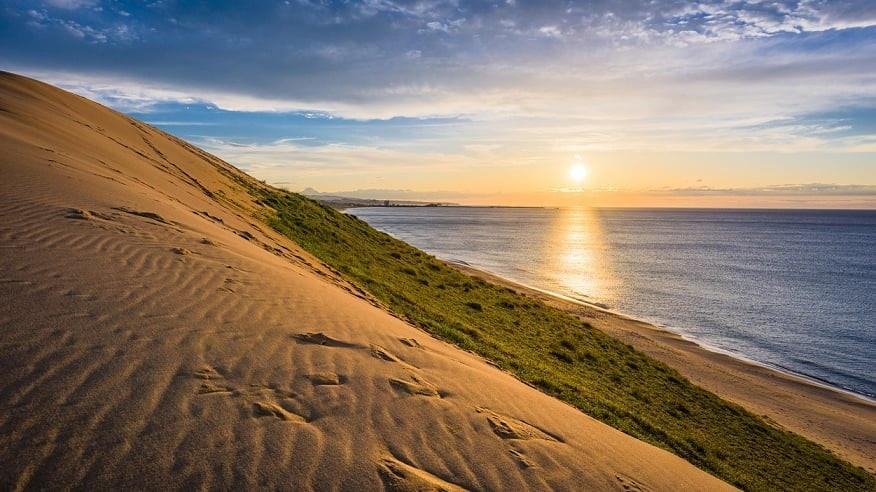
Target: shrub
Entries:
(474, 305)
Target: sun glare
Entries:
(578, 172)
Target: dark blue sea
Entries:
(792, 289)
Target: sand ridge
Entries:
(156, 336)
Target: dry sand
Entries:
(841, 422)
(155, 336)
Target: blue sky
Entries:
(484, 101)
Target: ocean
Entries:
(791, 289)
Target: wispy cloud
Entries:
(319, 165)
(71, 4)
(541, 57)
(535, 81)
(810, 189)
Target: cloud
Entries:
(447, 26)
(70, 4)
(550, 31)
(285, 156)
(811, 189)
(119, 93)
(49, 24)
(574, 76)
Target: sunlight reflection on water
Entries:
(577, 251)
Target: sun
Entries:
(578, 172)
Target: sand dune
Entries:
(156, 336)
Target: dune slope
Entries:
(155, 335)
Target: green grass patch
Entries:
(562, 355)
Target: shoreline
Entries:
(469, 268)
(703, 345)
(758, 209)
(233, 344)
(840, 420)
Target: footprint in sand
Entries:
(381, 353)
(82, 214)
(630, 485)
(398, 476)
(207, 372)
(511, 428)
(147, 215)
(416, 386)
(213, 382)
(210, 217)
(76, 213)
(263, 399)
(521, 459)
(259, 390)
(211, 387)
(326, 379)
(246, 235)
(269, 409)
(410, 342)
(228, 285)
(319, 338)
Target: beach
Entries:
(842, 422)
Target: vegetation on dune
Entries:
(562, 355)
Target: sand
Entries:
(839, 421)
(156, 336)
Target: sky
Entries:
(662, 102)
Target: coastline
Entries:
(243, 321)
(840, 420)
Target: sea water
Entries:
(793, 289)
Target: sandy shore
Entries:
(842, 422)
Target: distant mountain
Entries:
(310, 192)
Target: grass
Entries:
(561, 355)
